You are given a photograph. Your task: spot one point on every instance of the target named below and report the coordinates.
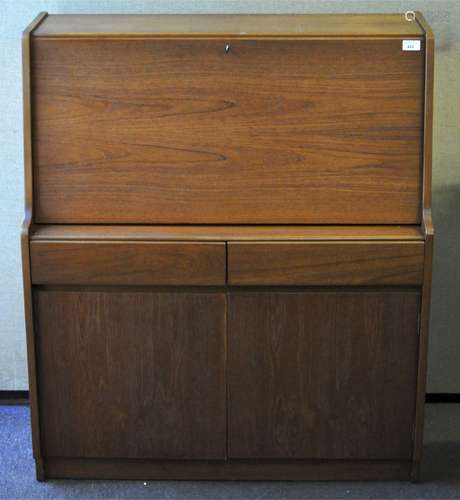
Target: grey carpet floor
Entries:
(441, 471)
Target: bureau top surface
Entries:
(312, 25)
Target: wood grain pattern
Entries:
(241, 25)
(25, 256)
(322, 375)
(132, 375)
(334, 263)
(233, 470)
(127, 263)
(233, 131)
(71, 232)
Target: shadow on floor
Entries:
(442, 462)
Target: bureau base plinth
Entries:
(240, 470)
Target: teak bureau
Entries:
(227, 245)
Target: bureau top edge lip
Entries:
(287, 233)
(225, 26)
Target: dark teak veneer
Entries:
(227, 245)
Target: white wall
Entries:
(444, 16)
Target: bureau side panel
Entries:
(272, 131)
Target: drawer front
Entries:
(274, 131)
(127, 263)
(351, 263)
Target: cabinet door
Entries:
(133, 374)
(323, 374)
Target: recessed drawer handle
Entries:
(227, 48)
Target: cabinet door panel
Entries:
(132, 374)
(326, 374)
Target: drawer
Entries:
(127, 263)
(325, 263)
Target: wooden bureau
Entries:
(227, 245)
